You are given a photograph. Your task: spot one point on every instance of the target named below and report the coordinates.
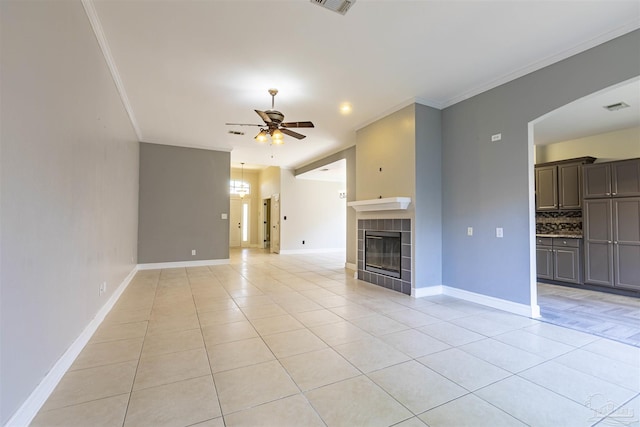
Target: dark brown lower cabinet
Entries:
(544, 262)
(612, 242)
(559, 259)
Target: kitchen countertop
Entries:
(564, 236)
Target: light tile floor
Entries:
(297, 341)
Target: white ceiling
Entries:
(334, 172)
(187, 67)
(587, 116)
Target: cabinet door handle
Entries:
(615, 243)
(608, 194)
(613, 194)
(609, 241)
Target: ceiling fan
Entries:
(273, 124)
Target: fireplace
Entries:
(389, 265)
(382, 252)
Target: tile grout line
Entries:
(213, 380)
(141, 349)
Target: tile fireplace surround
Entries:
(404, 227)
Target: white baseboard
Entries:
(427, 291)
(351, 266)
(29, 409)
(309, 251)
(500, 304)
(179, 264)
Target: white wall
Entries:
(69, 187)
(314, 213)
(617, 145)
(269, 182)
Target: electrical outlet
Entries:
(103, 288)
(499, 232)
(497, 137)
(469, 231)
(193, 252)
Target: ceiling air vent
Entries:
(340, 6)
(617, 106)
(235, 132)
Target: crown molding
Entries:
(196, 146)
(549, 60)
(398, 107)
(92, 14)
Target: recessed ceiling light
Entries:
(345, 108)
(617, 106)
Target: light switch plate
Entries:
(469, 231)
(223, 216)
(499, 232)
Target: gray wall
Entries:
(183, 192)
(69, 186)
(428, 197)
(349, 155)
(487, 185)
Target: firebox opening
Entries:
(382, 253)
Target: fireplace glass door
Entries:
(382, 253)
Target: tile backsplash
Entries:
(569, 222)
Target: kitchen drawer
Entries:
(545, 241)
(559, 242)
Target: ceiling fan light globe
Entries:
(277, 135)
(261, 137)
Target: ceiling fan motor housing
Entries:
(275, 116)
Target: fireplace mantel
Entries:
(386, 204)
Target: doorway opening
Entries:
(561, 263)
(239, 223)
(240, 209)
(266, 223)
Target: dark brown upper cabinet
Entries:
(559, 184)
(612, 179)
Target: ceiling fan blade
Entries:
(297, 125)
(263, 116)
(292, 133)
(241, 124)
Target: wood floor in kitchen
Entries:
(612, 316)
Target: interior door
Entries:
(235, 223)
(266, 223)
(275, 224)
